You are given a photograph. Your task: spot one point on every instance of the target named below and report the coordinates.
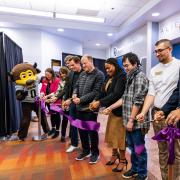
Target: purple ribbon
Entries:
(43, 105)
(139, 149)
(85, 125)
(168, 134)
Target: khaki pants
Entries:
(163, 155)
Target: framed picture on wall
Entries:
(55, 65)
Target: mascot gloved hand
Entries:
(25, 77)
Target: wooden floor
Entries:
(47, 160)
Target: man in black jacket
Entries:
(75, 66)
(87, 88)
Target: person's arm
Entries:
(96, 89)
(148, 102)
(173, 117)
(134, 112)
(141, 85)
(116, 92)
(172, 103)
(113, 106)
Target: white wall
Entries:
(52, 47)
(41, 47)
(170, 27)
(135, 42)
(101, 54)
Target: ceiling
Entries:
(121, 17)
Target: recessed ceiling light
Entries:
(60, 30)
(155, 14)
(109, 34)
(97, 44)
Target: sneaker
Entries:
(82, 156)
(129, 174)
(71, 149)
(44, 136)
(94, 158)
(140, 177)
(15, 138)
(56, 134)
(52, 132)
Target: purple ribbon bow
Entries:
(168, 134)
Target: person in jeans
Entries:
(74, 64)
(163, 81)
(87, 88)
(132, 102)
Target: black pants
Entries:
(73, 130)
(27, 108)
(85, 136)
(64, 126)
(55, 120)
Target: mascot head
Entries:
(24, 74)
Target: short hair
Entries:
(114, 62)
(90, 58)
(64, 70)
(165, 41)
(76, 59)
(67, 58)
(132, 57)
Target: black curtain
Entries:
(98, 63)
(10, 109)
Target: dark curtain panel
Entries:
(11, 112)
(99, 63)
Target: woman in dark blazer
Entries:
(112, 90)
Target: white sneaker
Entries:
(71, 149)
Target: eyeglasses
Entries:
(159, 50)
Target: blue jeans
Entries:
(73, 130)
(136, 143)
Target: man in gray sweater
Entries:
(87, 88)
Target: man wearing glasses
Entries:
(162, 82)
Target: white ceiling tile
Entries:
(43, 5)
(65, 8)
(23, 4)
(123, 15)
(2, 2)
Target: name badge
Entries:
(158, 73)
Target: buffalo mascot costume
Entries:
(25, 77)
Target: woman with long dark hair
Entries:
(50, 85)
(112, 90)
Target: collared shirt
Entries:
(134, 94)
(163, 81)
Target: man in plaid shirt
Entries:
(132, 102)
